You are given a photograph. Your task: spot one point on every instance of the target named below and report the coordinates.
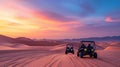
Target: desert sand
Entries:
(53, 56)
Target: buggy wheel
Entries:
(91, 55)
(73, 52)
(95, 55)
(66, 52)
(78, 54)
(81, 54)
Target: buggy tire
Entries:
(95, 55)
(81, 54)
(91, 55)
(72, 52)
(66, 52)
(78, 54)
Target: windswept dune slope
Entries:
(5, 48)
(13, 46)
(113, 48)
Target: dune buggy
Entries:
(87, 48)
(69, 49)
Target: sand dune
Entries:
(61, 60)
(13, 46)
(18, 46)
(54, 57)
(7, 44)
(117, 44)
(112, 48)
(5, 48)
(103, 44)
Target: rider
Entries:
(83, 46)
(89, 47)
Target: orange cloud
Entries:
(18, 20)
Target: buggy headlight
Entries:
(91, 49)
(85, 49)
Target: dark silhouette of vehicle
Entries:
(69, 48)
(87, 48)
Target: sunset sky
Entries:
(56, 19)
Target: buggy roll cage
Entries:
(69, 44)
(90, 42)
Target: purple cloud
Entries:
(87, 9)
(115, 15)
(57, 16)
